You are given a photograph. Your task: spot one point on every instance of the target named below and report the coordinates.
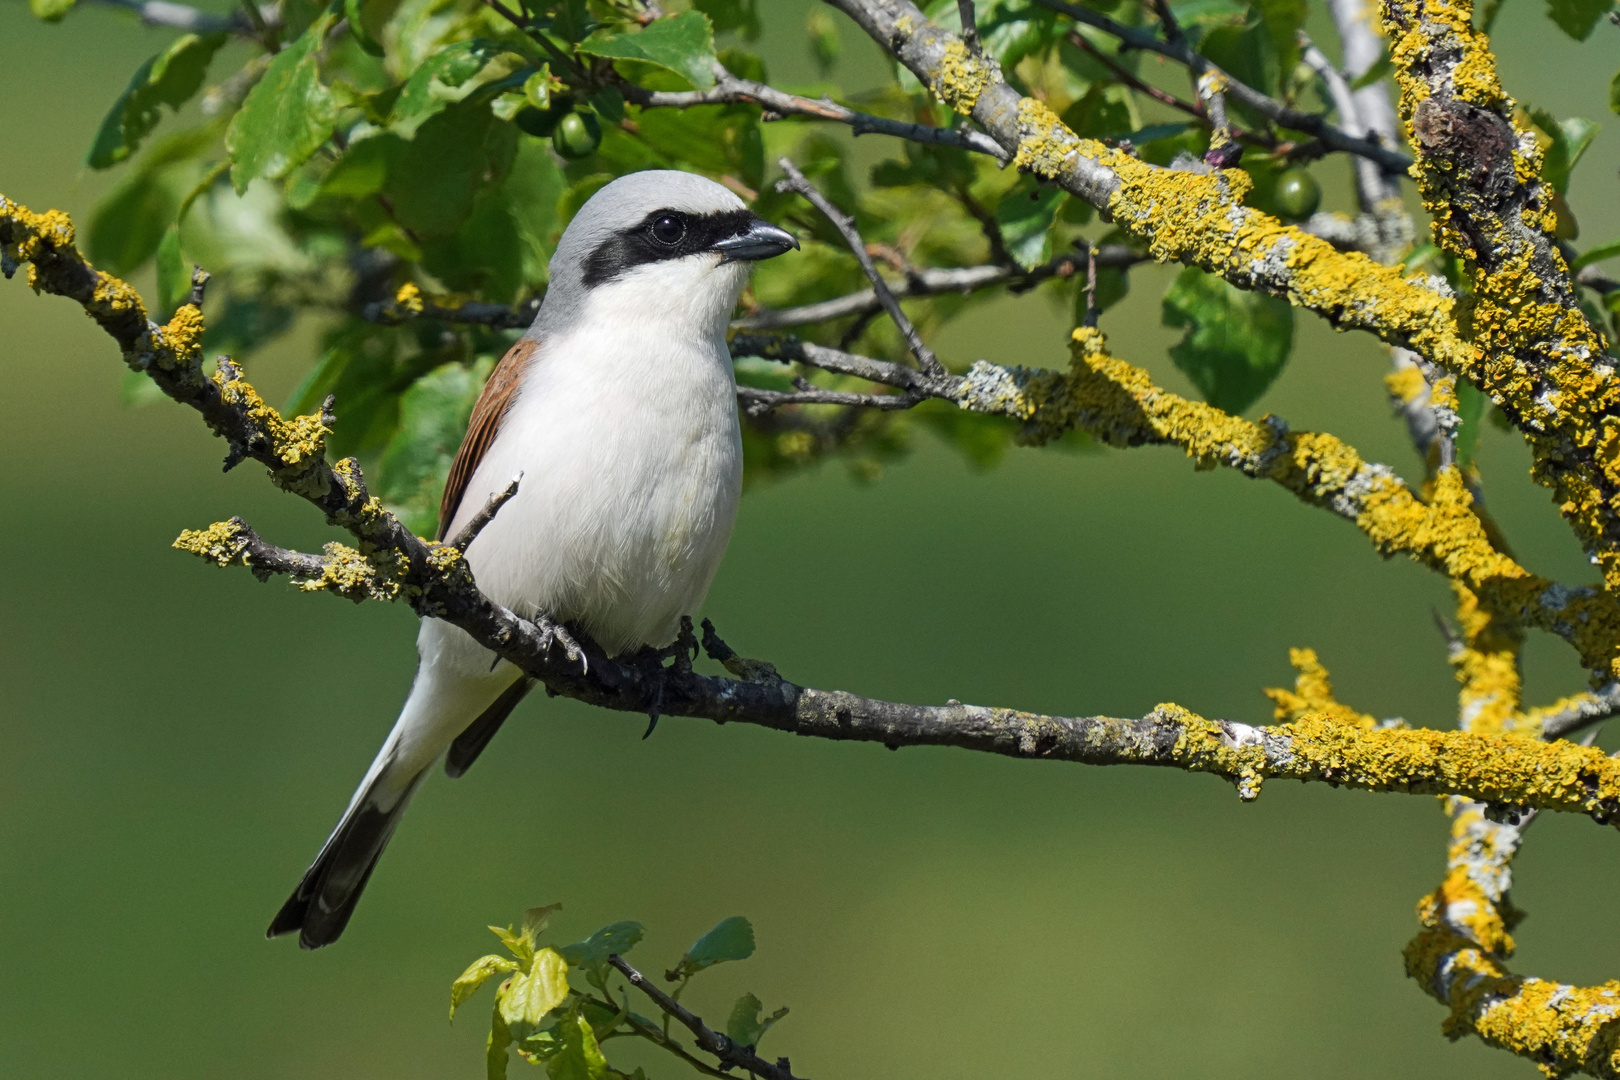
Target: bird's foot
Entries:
(745, 669)
(680, 652)
(555, 633)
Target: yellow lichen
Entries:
(1044, 143)
(1405, 385)
(962, 77)
(409, 298)
(1313, 693)
(220, 543)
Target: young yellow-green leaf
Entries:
(441, 80)
(536, 919)
(618, 938)
(731, 939)
(1236, 343)
(580, 1057)
(1614, 93)
(50, 10)
(287, 115)
(683, 44)
(525, 1000)
(477, 974)
(169, 78)
(521, 945)
(1026, 223)
(1577, 17)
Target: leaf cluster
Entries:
(550, 1022)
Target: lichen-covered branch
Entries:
(1119, 404)
(435, 580)
(1533, 351)
(1184, 216)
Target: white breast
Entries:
(626, 434)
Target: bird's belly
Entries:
(625, 509)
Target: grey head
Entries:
(649, 217)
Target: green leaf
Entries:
(731, 939)
(1209, 12)
(1570, 139)
(169, 78)
(129, 222)
(1471, 402)
(50, 10)
(1283, 20)
(1577, 17)
(440, 81)
(1236, 343)
(434, 179)
(528, 997)
(732, 16)
(352, 10)
(683, 44)
(745, 1027)
(287, 115)
(1595, 254)
(477, 974)
(1248, 54)
(173, 278)
(619, 937)
(1614, 93)
(1026, 223)
(580, 1057)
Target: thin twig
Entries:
(709, 1040)
(795, 181)
(730, 89)
(1332, 137)
(970, 26)
(470, 531)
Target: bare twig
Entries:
(470, 531)
(932, 281)
(795, 181)
(970, 26)
(710, 1041)
(1332, 137)
(730, 89)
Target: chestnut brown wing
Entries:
(491, 407)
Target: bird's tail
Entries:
(320, 907)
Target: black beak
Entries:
(761, 240)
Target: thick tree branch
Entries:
(1534, 352)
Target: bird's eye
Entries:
(668, 229)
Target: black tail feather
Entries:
(325, 899)
(471, 742)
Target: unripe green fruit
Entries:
(577, 136)
(1298, 194)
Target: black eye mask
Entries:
(661, 235)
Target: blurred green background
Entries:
(177, 741)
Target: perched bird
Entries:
(618, 407)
